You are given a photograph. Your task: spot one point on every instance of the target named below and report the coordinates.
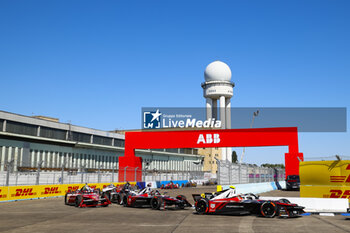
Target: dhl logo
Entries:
(23, 192)
(51, 190)
(2, 195)
(341, 179)
(338, 194)
(73, 188)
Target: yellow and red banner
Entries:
(9, 193)
(325, 179)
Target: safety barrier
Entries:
(255, 187)
(158, 184)
(332, 179)
(179, 182)
(13, 193)
(317, 205)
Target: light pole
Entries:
(255, 114)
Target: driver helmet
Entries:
(86, 188)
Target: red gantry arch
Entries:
(286, 136)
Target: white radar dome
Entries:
(217, 71)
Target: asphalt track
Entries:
(51, 215)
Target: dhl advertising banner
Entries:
(3, 193)
(11, 193)
(325, 179)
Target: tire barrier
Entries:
(332, 179)
(15, 193)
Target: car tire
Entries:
(156, 203)
(106, 197)
(107, 194)
(65, 199)
(125, 200)
(268, 209)
(181, 205)
(119, 198)
(202, 206)
(78, 200)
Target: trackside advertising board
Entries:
(325, 179)
(11, 193)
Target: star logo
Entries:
(156, 115)
(152, 119)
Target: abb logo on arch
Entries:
(209, 138)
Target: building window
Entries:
(102, 140)
(172, 150)
(1, 124)
(81, 137)
(119, 142)
(52, 133)
(21, 128)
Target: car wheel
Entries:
(106, 197)
(125, 200)
(202, 206)
(156, 203)
(181, 205)
(268, 209)
(78, 200)
(119, 198)
(65, 199)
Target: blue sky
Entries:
(96, 63)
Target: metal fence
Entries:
(232, 173)
(228, 173)
(73, 177)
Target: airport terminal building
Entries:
(29, 142)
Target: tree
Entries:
(234, 157)
(272, 165)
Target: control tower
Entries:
(219, 88)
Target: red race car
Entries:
(170, 185)
(153, 199)
(86, 197)
(228, 202)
